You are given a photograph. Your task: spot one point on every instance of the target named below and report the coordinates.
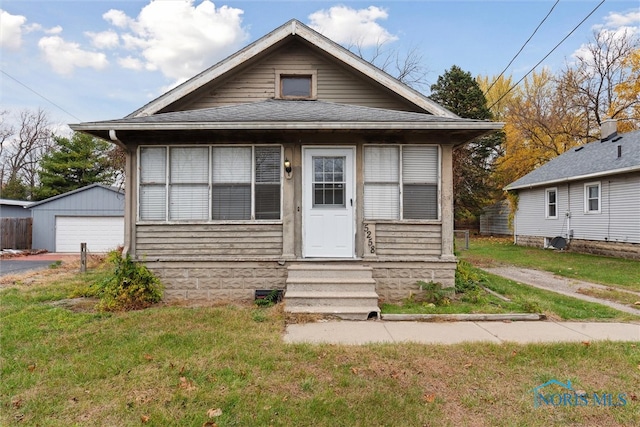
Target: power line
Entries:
(40, 95)
(523, 46)
(547, 55)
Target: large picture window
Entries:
(209, 183)
(401, 182)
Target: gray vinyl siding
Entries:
(209, 240)
(334, 83)
(398, 239)
(618, 219)
(530, 218)
(95, 201)
(9, 211)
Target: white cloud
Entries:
(104, 40)
(11, 30)
(131, 63)
(117, 18)
(617, 19)
(179, 38)
(345, 25)
(64, 56)
(52, 31)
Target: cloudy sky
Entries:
(97, 60)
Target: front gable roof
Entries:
(90, 187)
(291, 29)
(613, 155)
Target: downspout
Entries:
(127, 194)
(568, 214)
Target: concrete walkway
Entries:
(357, 333)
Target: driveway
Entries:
(18, 266)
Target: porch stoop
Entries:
(345, 291)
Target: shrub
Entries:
(129, 286)
(434, 293)
(466, 279)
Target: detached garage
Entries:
(93, 215)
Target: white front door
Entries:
(328, 202)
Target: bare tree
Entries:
(406, 66)
(22, 148)
(590, 85)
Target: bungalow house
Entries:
(589, 197)
(292, 165)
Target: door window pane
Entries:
(329, 184)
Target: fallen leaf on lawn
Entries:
(144, 418)
(636, 303)
(354, 371)
(429, 397)
(31, 367)
(209, 424)
(633, 397)
(468, 365)
(148, 357)
(586, 343)
(186, 384)
(212, 413)
(17, 403)
(514, 353)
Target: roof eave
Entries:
(107, 126)
(574, 178)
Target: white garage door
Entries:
(100, 233)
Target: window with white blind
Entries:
(401, 182)
(202, 183)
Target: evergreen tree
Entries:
(457, 91)
(74, 163)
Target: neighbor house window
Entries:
(209, 183)
(300, 84)
(401, 182)
(551, 201)
(592, 197)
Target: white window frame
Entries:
(313, 74)
(401, 184)
(547, 203)
(167, 184)
(587, 186)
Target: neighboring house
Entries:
(15, 225)
(494, 220)
(589, 195)
(93, 215)
(14, 209)
(293, 164)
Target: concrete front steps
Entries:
(345, 291)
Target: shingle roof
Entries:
(590, 160)
(286, 114)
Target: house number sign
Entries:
(370, 237)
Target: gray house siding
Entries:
(13, 211)
(89, 201)
(495, 219)
(617, 221)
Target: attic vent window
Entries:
(296, 84)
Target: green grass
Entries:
(591, 268)
(524, 299)
(173, 366)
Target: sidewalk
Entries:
(364, 332)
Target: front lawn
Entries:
(63, 365)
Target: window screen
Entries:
(231, 191)
(189, 183)
(295, 86)
(267, 187)
(381, 183)
(153, 189)
(420, 182)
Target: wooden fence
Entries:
(16, 233)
